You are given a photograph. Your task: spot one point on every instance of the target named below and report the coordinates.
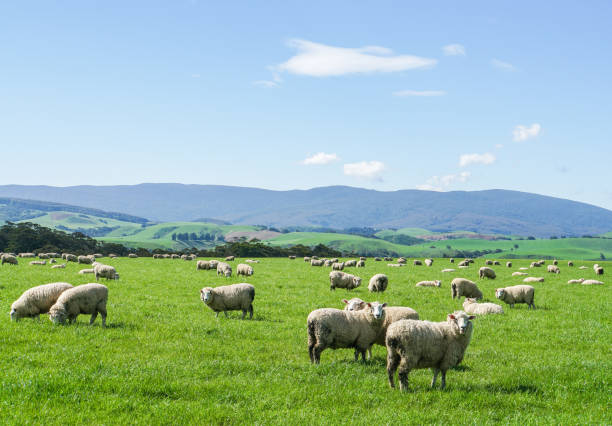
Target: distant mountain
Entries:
(486, 212)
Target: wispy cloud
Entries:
(467, 159)
(320, 60)
(365, 169)
(403, 93)
(499, 146)
(502, 65)
(454, 50)
(320, 158)
(522, 133)
(441, 183)
(268, 84)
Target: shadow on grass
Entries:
(462, 368)
(511, 389)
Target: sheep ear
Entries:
(384, 304)
(369, 305)
(451, 316)
(201, 291)
(345, 301)
(471, 317)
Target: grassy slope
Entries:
(76, 220)
(166, 359)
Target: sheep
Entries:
(448, 270)
(377, 259)
(224, 269)
(43, 256)
(534, 265)
(485, 272)
(395, 265)
(578, 281)
(134, 256)
(316, 262)
(582, 267)
(97, 255)
(496, 262)
(26, 255)
(233, 297)
(338, 279)
(335, 328)
(185, 257)
(349, 263)
(402, 260)
(251, 261)
(378, 282)
(570, 263)
(387, 259)
(306, 259)
(292, 257)
(213, 264)
(327, 263)
(533, 280)
(38, 262)
(423, 344)
(71, 258)
(599, 271)
(464, 264)
(334, 260)
(488, 262)
(105, 271)
(112, 255)
(464, 287)
(52, 261)
(363, 258)
(84, 260)
(523, 269)
(592, 282)
(436, 283)
(508, 264)
(471, 307)
(37, 300)
(62, 266)
(337, 266)
(203, 265)
(175, 256)
(315, 257)
(516, 294)
(361, 264)
(230, 258)
(417, 262)
(555, 262)
(83, 299)
(451, 260)
(355, 304)
(553, 269)
(518, 274)
(86, 271)
(428, 262)
(244, 269)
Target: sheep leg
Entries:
(435, 376)
(443, 379)
(37, 316)
(356, 354)
(225, 312)
(393, 360)
(370, 352)
(216, 314)
(317, 353)
(243, 314)
(402, 374)
(93, 317)
(251, 311)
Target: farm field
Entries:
(165, 359)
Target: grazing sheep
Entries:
(316, 262)
(535, 265)
(402, 260)
(327, 263)
(554, 269)
(52, 261)
(213, 264)
(448, 270)
(555, 262)
(395, 265)
(83, 299)
(134, 256)
(378, 282)
(175, 256)
(71, 257)
(471, 307)
(592, 282)
(224, 269)
(337, 266)
(26, 255)
(496, 262)
(377, 259)
(355, 304)
(436, 283)
(251, 261)
(488, 262)
(62, 266)
(203, 265)
(451, 260)
(333, 328)
(583, 267)
(428, 262)
(508, 264)
(524, 269)
(244, 269)
(387, 259)
(112, 255)
(43, 256)
(38, 262)
(306, 259)
(315, 257)
(464, 287)
(349, 263)
(485, 272)
(417, 262)
(97, 255)
(230, 258)
(292, 257)
(516, 294)
(578, 281)
(423, 344)
(339, 279)
(464, 264)
(517, 274)
(37, 300)
(533, 280)
(599, 271)
(86, 271)
(233, 297)
(570, 263)
(334, 260)
(361, 264)
(105, 271)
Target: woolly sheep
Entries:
(464, 287)
(485, 272)
(26, 255)
(489, 262)
(335, 328)
(578, 281)
(395, 265)
(52, 261)
(306, 259)
(570, 263)
(524, 269)
(327, 263)
(496, 262)
(451, 260)
(464, 264)
(378, 283)
(387, 259)
(582, 267)
(553, 269)
(86, 271)
(534, 265)
(417, 262)
(292, 257)
(428, 262)
(202, 265)
(62, 266)
(230, 258)
(377, 259)
(224, 269)
(517, 274)
(213, 264)
(471, 307)
(354, 304)
(83, 299)
(38, 262)
(448, 270)
(349, 263)
(316, 262)
(251, 261)
(235, 297)
(71, 257)
(363, 258)
(244, 269)
(423, 344)
(599, 271)
(555, 262)
(112, 255)
(533, 280)
(339, 279)
(592, 282)
(402, 260)
(508, 264)
(105, 271)
(134, 256)
(338, 266)
(43, 256)
(334, 260)
(37, 300)
(516, 294)
(361, 264)
(436, 283)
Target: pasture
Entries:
(165, 359)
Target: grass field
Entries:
(165, 359)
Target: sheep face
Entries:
(377, 309)
(58, 316)
(461, 321)
(356, 282)
(438, 283)
(500, 293)
(14, 316)
(354, 304)
(206, 294)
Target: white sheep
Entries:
(213, 264)
(307, 259)
(570, 263)
(37, 300)
(378, 283)
(485, 272)
(423, 344)
(518, 274)
(327, 263)
(339, 279)
(224, 269)
(71, 257)
(105, 271)
(235, 297)
(316, 262)
(516, 294)
(350, 263)
(244, 269)
(10, 259)
(554, 269)
(38, 262)
(355, 304)
(361, 264)
(85, 260)
(230, 258)
(448, 270)
(203, 265)
(337, 266)
(436, 283)
(395, 265)
(592, 282)
(61, 266)
(86, 271)
(135, 256)
(508, 264)
(428, 262)
(472, 307)
(464, 264)
(251, 261)
(464, 287)
(83, 299)
(402, 260)
(533, 280)
(582, 267)
(578, 281)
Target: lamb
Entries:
(244, 269)
(37, 300)
(337, 266)
(592, 282)
(105, 271)
(233, 297)
(224, 269)
(423, 344)
(464, 287)
(428, 262)
(83, 299)
(355, 304)
(517, 274)
(417, 262)
(533, 280)
(471, 307)
(230, 258)
(333, 328)
(316, 262)
(62, 266)
(203, 265)
(570, 263)
(508, 264)
(516, 294)
(436, 283)
(378, 282)
(554, 269)
(349, 263)
(451, 260)
(361, 264)
(496, 262)
(578, 281)
(448, 270)
(485, 272)
(338, 279)
(38, 262)
(86, 271)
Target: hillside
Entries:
(339, 207)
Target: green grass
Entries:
(73, 220)
(343, 242)
(166, 359)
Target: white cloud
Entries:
(502, 65)
(499, 146)
(419, 93)
(522, 133)
(467, 159)
(441, 183)
(195, 75)
(266, 83)
(454, 50)
(365, 169)
(320, 158)
(320, 60)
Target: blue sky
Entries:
(282, 95)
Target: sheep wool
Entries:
(470, 306)
(37, 300)
(516, 294)
(464, 287)
(378, 283)
(83, 299)
(233, 297)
